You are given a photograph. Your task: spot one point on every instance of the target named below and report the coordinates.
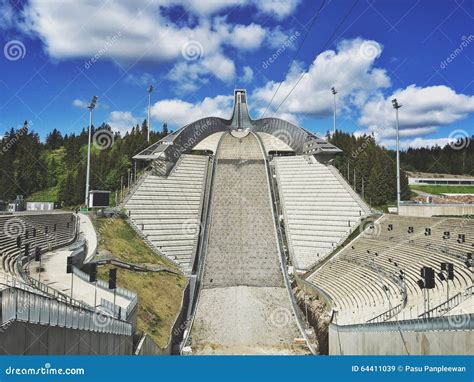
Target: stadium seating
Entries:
(319, 207)
(168, 209)
(52, 230)
(376, 271)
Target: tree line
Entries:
(58, 165)
(371, 169)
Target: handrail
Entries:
(362, 204)
(54, 293)
(122, 292)
(388, 314)
(272, 188)
(453, 322)
(22, 305)
(445, 306)
(202, 254)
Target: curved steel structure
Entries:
(166, 152)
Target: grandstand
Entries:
(267, 169)
(167, 210)
(389, 254)
(34, 314)
(319, 207)
(248, 210)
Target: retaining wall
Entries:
(444, 342)
(21, 338)
(428, 210)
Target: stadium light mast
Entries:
(150, 89)
(90, 107)
(334, 92)
(397, 106)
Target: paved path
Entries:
(87, 229)
(54, 274)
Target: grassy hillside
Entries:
(160, 294)
(436, 190)
(46, 195)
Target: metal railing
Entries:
(388, 314)
(454, 322)
(122, 292)
(22, 305)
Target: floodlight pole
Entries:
(334, 92)
(150, 89)
(397, 106)
(90, 107)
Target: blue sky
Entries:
(57, 55)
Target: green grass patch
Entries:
(160, 294)
(47, 195)
(444, 189)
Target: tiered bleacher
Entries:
(381, 270)
(30, 302)
(21, 234)
(167, 210)
(319, 207)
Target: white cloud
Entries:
(189, 76)
(247, 75)
(350, 69)
(177, 112)
(79, 103)
(278, 8)
(424, 111)
(277, 38)
(144, 79)
(247, 37)
(125, 32)
(122, 121)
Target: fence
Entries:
(454, 322)
(22, 305)
(387, 314)
(125, 293)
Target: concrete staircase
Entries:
(320, 208)
(167, 210)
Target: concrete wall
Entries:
(390, 342)
(428, 210)
(21, 338)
